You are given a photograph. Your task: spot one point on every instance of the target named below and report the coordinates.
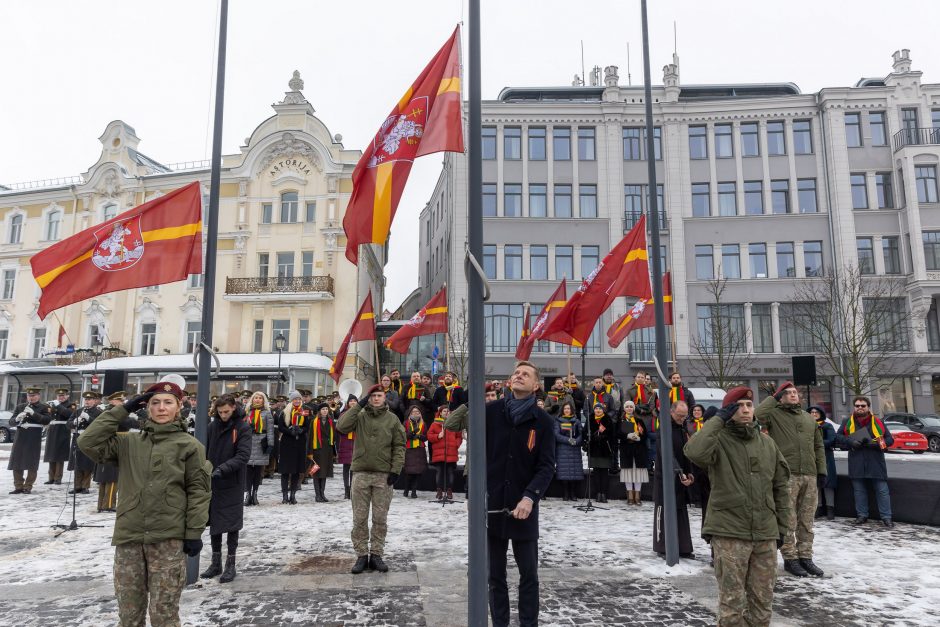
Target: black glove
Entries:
(865, 441)
(875, 444)
(138, 402)
(192, 547)
(726, 412)
(264, 444)
(856, 445)
(216, 474)
(392, 478)
(779, 542)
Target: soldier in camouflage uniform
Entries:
(378, 457)
(748, 511)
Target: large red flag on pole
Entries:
(430, 320)
(550, 310)
(363, 328)
(158, 242)
(623, 272)
(641, 315)
(524, 347)
(427, 119)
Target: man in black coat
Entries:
(520, 456)
(57, 436)
(29, 417)
(682, 479)
(450, 394)
(80, 463)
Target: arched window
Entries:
(289, 207)
(16, 229)
(110, 210)
(53, 225)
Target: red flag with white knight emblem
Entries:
(641, 315)
(427, 119)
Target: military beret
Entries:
(375, 388)
(742, 392)
(166, 387)
(784, 386)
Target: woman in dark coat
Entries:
(826, 487)
(322, 449)
(634, 453)
(599, 449)
(345, 444)
(681, 479)
(259, 419)
(228, 449)
(416, 458)
(569, 434)
(701, 489)
(292, 456)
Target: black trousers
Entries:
(445, 482)
(290, 481)
(231, 541)
(526, 553)
(253, 477)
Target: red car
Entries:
(905, 439)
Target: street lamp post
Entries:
(96, 348)
(280, 343)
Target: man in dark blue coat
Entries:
(520, 456)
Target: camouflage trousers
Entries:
(746, 572)
(158, 569)
(803, 502)
(370, 489)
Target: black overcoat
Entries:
(78, 461)
(228, 447)
(679, 462)
(28, 440)
(292, 453)
(57, 435)
(633, 453)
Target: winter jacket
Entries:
(796, 435)
(292, 451)
(829, 442)
(867, 462)
(380, 439)
(260, 454)
(606, 399)
(164, 479)
(749, 495)
(601, 445)
(443, 450)
(458, 397)
(228, 448)
(345, 442)
(57, 434)
(416, 457)
(679, 463)
(633, 453)
(568, 437)
(554, 401)
(423, 397)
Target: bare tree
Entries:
(858, 325)
(458, 338)
(721, 341)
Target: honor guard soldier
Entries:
(57, 436)
(106, 475)
(29, 418)
(80, 463)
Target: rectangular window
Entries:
(853, 130)
(633, 205)
(721, 326)
(753, 198)
(750, 139)
(727, 199)
(538, 201)
(538, 262)
(280, 327)
(885, 190)
(876, 122)
(795, 325)
(512, 262)
(701, 200)
(310, 215)
(95, 335)
(306, 263)
(563, 201)
(926, 176)
(806, 195)
(564, 262)
(489, 261)
(780, 196)
(731, 261)
(631, 143)
(590, 257)
(4, 342)
(502, 326)
(698, 142)
(909, 125)
(512, 200)
(38, 343)
(289, 207)
(587, 199)
(148, 338)
(512, 143)
(888, 332)
(536, 143)
(757, 258)
(195, 281)
(762, 328)
(267, 211)
(866, 255)
(813, 259)
(489, 200)
(776, 139)
(724, 144)
(258, 336)
(303, 335)
(932, 249)
(891, 253)
(9, 284)
(802, 137)
(561, 143)
(704, 264)
(285, 265)
(193, 335)
(586, 143)
(859, 191)
(488, 142)
(264, 263)
(786, 261)
(657, 142)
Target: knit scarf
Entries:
(297, 416)
(697, 424)
(640, 393)
(556, 394)
(597, 398)
(416, 427)
(450, 390)
(318, 435)
(414, 392)
(630, 420)
(257, 421)
(877, 427)
(519, 407)
(609, 387)
(677, 394)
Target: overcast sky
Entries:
(72, 67)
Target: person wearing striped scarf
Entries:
(866, 437)
(258, 417)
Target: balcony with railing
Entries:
(632, 216)
(642, 352)
(916, 137)
(284, 289)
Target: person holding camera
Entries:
(748, 512)
(164, 506)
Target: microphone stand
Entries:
(72, 526)
(588, 506)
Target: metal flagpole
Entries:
(664, 459)
(205, 354)
(477, 593)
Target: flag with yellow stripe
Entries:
(157, 242)
(431, 319)
(363, 328)
(641, 315)
(554, 305)
(427, 119)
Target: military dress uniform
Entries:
(29, 418)
(106, 474)
(80, 463)
(58, 438)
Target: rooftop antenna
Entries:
(629, 78)
(583, 73)
(675, 44)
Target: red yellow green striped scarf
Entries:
(414, 392)
(640, 393)
(318, 439)
(877, 427)
(630, 419)
(257, 421)
(416, 429)
(297, 416)
(677, 394)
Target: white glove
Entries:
(28, 411)
(633, 436)
(83, 416)
(21, 417)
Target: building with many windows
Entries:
(281, 265)
(761, 187)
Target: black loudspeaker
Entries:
(804, 370)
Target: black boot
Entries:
(293, 497)
(346, 496)
(323, 498)
(861, 520)
(215, 566)
(284, 498)
(361, 562)
(414, 493)
(376, 563)
(229, 573)
(794, 568)
(830, 513)
(248, 498)
(820, 512)
(887, 522)
(811, 568)
(254, 495)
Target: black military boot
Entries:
(229, 573)
(347, 496)
(376, 563)
(361, 562)
(414, 493)
(293, 497)
(215, 566)
(248, 498)
(284, 498)
(794, 568)
(811, 568)
(323, 498)
(830, 513)
(820, 512)
(254, 495)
